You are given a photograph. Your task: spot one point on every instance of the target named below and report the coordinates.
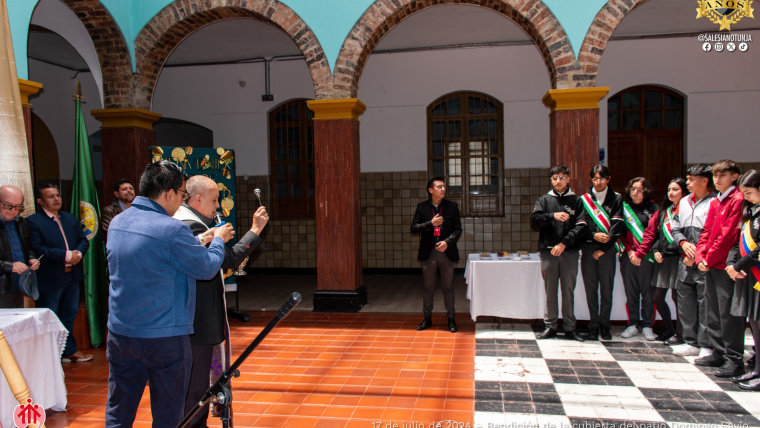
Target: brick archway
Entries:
(113, 55)
(177, 20)
(598, 35)
(533, 16)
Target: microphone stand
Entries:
(221, 392)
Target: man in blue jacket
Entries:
(153, 261)
(58, 237)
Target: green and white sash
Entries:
(634, 226)
(666, 225)
(596, 211)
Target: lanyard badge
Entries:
(437, 231)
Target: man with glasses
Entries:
(556, 214)
(16, 250)
(602, 217)
(58, 236)
(153, 262)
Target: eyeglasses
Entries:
(599, 180)
(7, 206)
(559, 178)
(635, 190)
(184, 193)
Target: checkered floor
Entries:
(521, 382)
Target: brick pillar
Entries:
(126, 134)
(340, 285)
(27, 88)
(574, 131)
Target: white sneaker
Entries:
(649, 333)
(630, 331)
(685, 349)
(705, 352)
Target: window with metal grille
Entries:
(291, 155)
(465, 145)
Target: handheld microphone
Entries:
(218, 219)
(257, 192)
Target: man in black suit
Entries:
(58, 236)
(437, 222)
(210, 325)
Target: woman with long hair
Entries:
(667, 254)
(638, 210)
(743, 267)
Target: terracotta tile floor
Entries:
(323, 370)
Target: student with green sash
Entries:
(638, 211)
(602, 218)
(744, 268)
(720, 234)
(658, 238)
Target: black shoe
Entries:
(425, 324)
(452, 325)
(751, 385)
(605, 333)
(572, 335)
(730, 369)
(746, 377)
(674, 340)
(751, 362)
(711, 360)
(547, 334)
(593, 334)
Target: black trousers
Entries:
(199, 383)
(598, 280)
(725, 331)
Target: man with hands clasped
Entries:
(556, 214)
(437, 222)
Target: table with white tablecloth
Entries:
(36, 338)
(508, 288)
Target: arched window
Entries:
(645, 136)
(465, 145)
(291, 156)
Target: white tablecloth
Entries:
(515, 289)
(37, 339)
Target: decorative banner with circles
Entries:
(217, 164)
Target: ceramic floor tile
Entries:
(667, 376)
(561, 349)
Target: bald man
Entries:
(210, 325)
(16, 251)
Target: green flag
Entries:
(85, 197)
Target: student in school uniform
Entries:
(720, 234)
(602, 218)
(658, 238)
(638, 211)
(556, 214)
(690, 286)
(744, 268)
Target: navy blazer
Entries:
(48, 241)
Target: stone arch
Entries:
(533, 16)
(177, 20)
(111, 48)
(599, 33)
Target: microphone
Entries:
(257, 192)
(218, 219)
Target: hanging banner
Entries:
(217, 164)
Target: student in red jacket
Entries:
(720, 234)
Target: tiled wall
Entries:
(388, 203)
